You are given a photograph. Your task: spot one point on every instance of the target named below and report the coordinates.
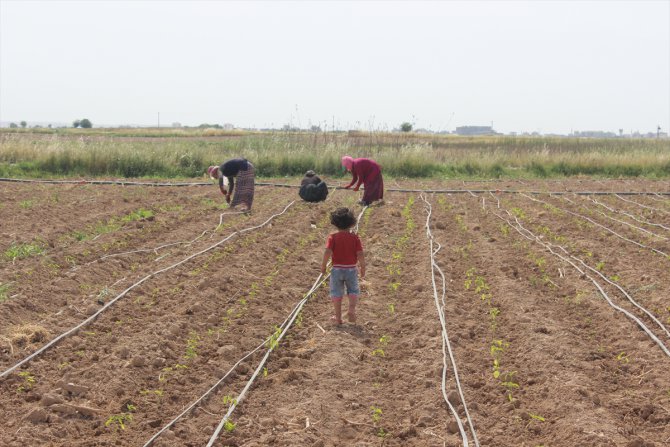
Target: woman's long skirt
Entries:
(374, 189)
(244, 187)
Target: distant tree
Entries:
(86, 124)
(406, 127)
(13, 125)
(23, 124)
(76, 123)
(315, 128)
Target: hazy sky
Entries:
(546, 66)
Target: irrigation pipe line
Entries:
(285, 327)
(532, 237)
(621, 289)
(602, 292)
(628, 224)
(446, 345)
(660, 198)
(606, 279)
(622, 222)
(155, 250)
(665, 255)
(122, 294)
(209, 391)
(216, 385)
(642, 221)
(617, 195)
(286, 185)
(145, 250)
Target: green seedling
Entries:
(79, 235)
(191, 346)
(119, 420)
(393, 269)
(622, 357)
(382, 433)
(273, 341)
(228, 426)
(508, 381)
(469, 275)
(518, 212)
(600, 266)
(158, 393)
(537, 417)
(265, 371)
(4, 288)
(140, 214)
(394, 286)
(461, 223)
(385, 339)
(26, 204)
(379, 352)
(229, 400)
(21, 251)
(391, 308)
(104, 293)
(28, 382)
(376, 414)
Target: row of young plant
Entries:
(585, 258)
(476, 284)
(587, 255)
(264, 286)
(192, 344)
(56, 259)
(21, 336)
(591, 218)
(396, 268)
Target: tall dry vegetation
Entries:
(186, 153)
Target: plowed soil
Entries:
(555, 310)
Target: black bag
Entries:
(314, 193)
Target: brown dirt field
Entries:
(542, 357)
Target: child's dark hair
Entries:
(342, 218)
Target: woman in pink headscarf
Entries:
(367, 172)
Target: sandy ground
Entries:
(556, 314)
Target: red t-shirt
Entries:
(345, 246)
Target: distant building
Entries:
(475, 130)
(176, 125)
(228, 126)
(593, 134)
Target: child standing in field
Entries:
(346, 250)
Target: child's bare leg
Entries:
(351, 312)
(337, 305)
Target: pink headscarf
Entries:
(347, 162)
(212, 171)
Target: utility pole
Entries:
(159, 120)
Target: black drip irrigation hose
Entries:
(286, 185)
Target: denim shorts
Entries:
(341, 277)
